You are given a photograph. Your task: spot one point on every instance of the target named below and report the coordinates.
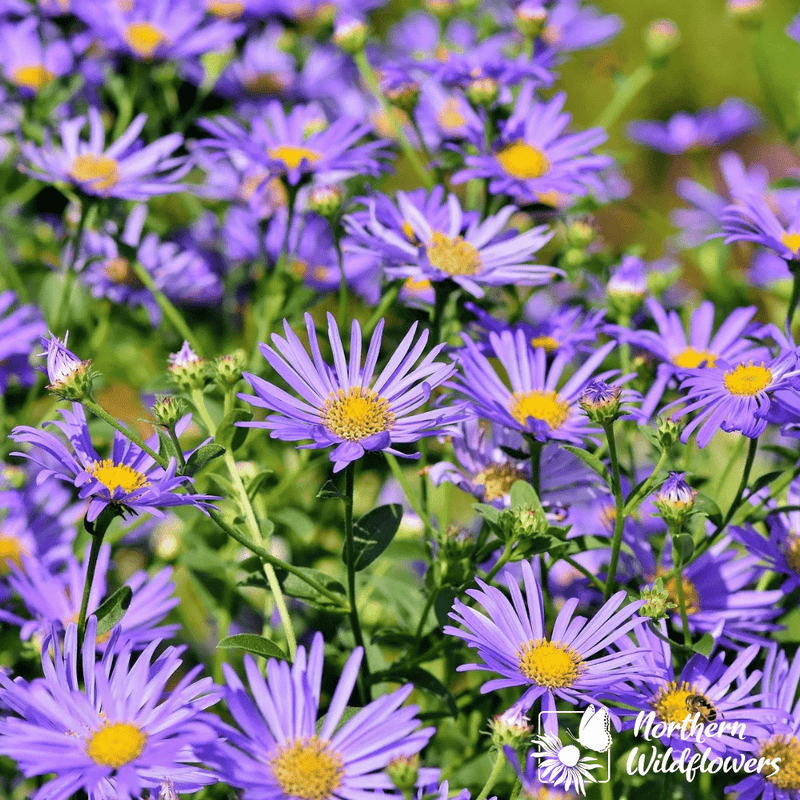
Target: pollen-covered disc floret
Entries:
(550, 664)
(115, 744)
(348, 406)
(307, 769)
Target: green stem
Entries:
(678, 570)
(97, 531)
(342, 282)
(625, 93)
(252, 524)
(501, 562)
(387, 301)
(170, 312)
(536, 465)
(368, 76)
(619, 520)
(633, 502)
(596, 582)
(794, 268)
(624, 347)
(424, 616)
(69, 276)
(178, 449)
(410, 496)
(349, 491)
(493, 775)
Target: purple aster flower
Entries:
(733, 397)
(720, 691)
(436, 792)
(534, 403)
(129, 479)
(52, 600)
(533, 161)
(472, 254)
(301, 144)
(678, 351)
(751, 219)
(511, 641)
(117, 732)
(487, 472)
(20, 328)
(445, 116)
(571, 25)
(710, 127)
(346, 406)
(628, 280)
(157, 29)
(33, 55)
(780, 552)
(124, 169)
(529, 778)
(283, 754)
(780, 780)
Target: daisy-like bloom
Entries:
(701, 347)
(53, 598)
(445, 116)
(151, 30)
(119, 731)
(779, 686)
(32, 56)
(282, 754)
(301, 144)
(718, 691)
(780, 553)
(124, 169)
(528, 776)
(20, 327)
(472, 254)
(751, 219)
(562, 765)
(533, 160)
(512, 641)
(733, 397)
(128, 479)
(487, 472)
(570, 25)
(534, 403)
(436, 792)
(346, 406)
(710, 127)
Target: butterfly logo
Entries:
(594, 732)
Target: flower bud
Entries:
(522, 523)
(657, 602)
(627, 286)
(511, 728)
(168, 410)
(483, 91)
(325, 200)
(580, 233)
(530, 18)
(601, 402)
(229, 368)
(403, 772)
(187, 369)
(403, 95)
(675, 499)
(748, 13)
(669, 431)
(453, 566)
(661, 38)
(350, 34)
(70, 378)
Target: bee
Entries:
(697, 704)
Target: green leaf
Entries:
(765, 480)
(257, 645)
(443, 605)
(201, 457)
(705, 505)
(651, 434)
(257, 484)
(228, 435)
(295, 587)
(705, 645)
(373, 533)
(683, 544)
(591, 461)
(489, 513)
(112, 609)
(523, 494)
(520, 455)
(422, 679)
(330, 490)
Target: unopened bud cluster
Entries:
(70, 378)
(187, 369)
(657, 604)
(675, 499)
(601, 402)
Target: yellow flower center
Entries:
(118, 270)
(453, 256)
(229, 9)
(792, 241)
(691, 597)
(670, 702)
(100, 171)
(608, 516)
(747, 381)
(264, 83)
(307, 769)
(550, 664)
(544, 406)
(356, 414)
(11, 552)
(523, 160)
(691, 358)
(32, 76)
(417, 285)
(293, 156)
(449, 117)
(792, 551)
(497, 480)
(787, 749)
(547, 343)
(115, 476)
(144, 38)
(115, 745)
